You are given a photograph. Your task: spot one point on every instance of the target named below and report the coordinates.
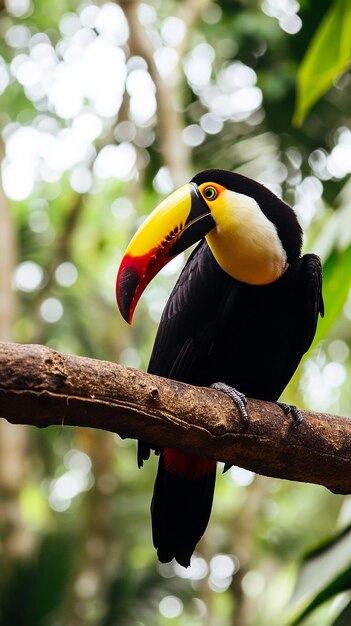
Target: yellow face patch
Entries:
(244, 243)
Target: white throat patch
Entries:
(245, 242)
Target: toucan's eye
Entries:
(210, 193)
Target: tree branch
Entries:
(42, 387)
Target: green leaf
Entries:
(344, 619)
(339, 584)
(322, 565)
(325, 572)
(336, 287)
(327, 56)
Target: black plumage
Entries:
(181, 508)
(215, 328)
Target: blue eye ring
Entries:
(210, 193)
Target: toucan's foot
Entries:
(239, 399)
(293, 411)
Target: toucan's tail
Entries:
(181, 504)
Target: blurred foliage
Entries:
(325, 572)
(329, 54)
(84, 161)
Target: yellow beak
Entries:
(179, 221)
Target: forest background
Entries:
(106, 108)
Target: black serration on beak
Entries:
(199, 222)
(128, 286)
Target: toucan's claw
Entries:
(238, 397)
(293, 411)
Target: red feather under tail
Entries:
(181, 504)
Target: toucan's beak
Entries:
(178, 222)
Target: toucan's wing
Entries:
(312, 281)
(191, 316)
(303, 304)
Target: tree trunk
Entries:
(16, 539)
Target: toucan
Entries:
(243, 312)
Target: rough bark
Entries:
(42, 387)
